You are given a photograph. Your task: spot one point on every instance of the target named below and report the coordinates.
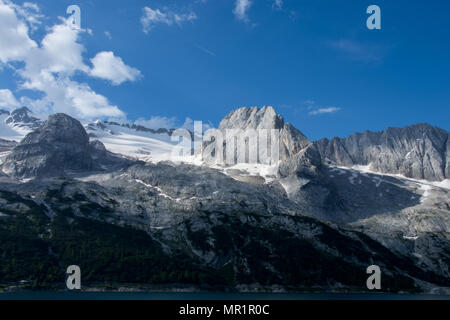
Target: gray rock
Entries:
(197, 209)
(305, 163)
(447, 159)
(7, 145)
(104, 159)
(419, 151)
(60, 144)
(22, 118)
(291, 140)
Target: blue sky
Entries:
(314, 61)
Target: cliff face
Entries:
(419, 151)
(6, 145)
(291, 139)
(61, 143)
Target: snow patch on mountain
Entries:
(426, 191)
(17, 124)
(242, 170)
(9, 133)
(3, 156)
(145, 146)
(445, 184)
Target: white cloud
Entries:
(48, 68)
(157, 122)
(59, 53)
(88, 103)
(309, 102)
(7, 99)
(278, 4)
(360, 51)
(241, 8)
(74, 98)
(152, 17)
(324, 111)
(31, 5)
(189, 125)
(109, 67)
(14, 40)
(206, 50)
(108, 35)
(30, 12)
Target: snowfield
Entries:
(14, 133)
(156, 147)
(425, 185)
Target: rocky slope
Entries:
(60, 144)
(419, 151)
(6, 145)
(245, 235)
(312, 226)
(22, 117)
(18, 123)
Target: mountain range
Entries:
(107, 196)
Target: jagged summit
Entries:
(60, 144)
(103, 125)
(291, 139)
(419, 151)
(22, 117)
(366, 215)
(252, 118)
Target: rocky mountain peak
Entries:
(416, 131)
(252, 118)
(59, 144)
(59, 128)
(58, 147)
(291, 139)
(22, 117)
(419, 151)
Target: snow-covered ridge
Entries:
(11, 131)
(425, 184)
(141, 145)
(420, 151)
(18, 123)
(150, 145)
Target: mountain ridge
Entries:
(228, 221)
(418, 151)
(429, 160)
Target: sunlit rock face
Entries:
(291, 140)
(245, 219)
(60, 144)
(419, 151)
